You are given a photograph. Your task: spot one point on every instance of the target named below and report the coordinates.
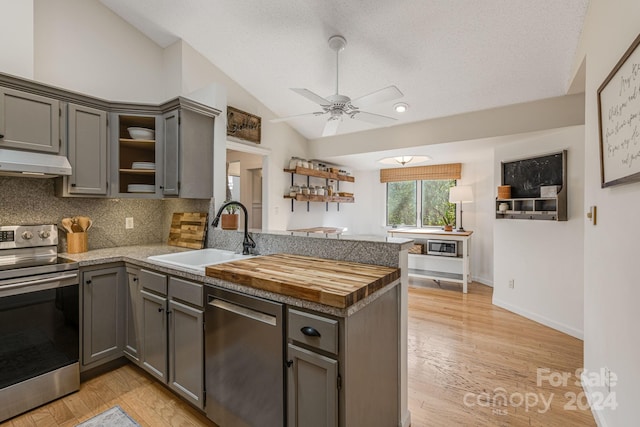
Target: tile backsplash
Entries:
(33, 201)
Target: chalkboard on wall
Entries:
(526, 176)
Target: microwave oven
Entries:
(442, 247)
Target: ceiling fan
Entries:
(339, 106)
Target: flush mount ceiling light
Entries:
(403, 160)
(400, 107)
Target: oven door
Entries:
(39, 334)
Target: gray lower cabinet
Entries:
(87, 150)
(103, 302)
(154, 334)
(172, 339)
(312, 389)
(29, 122)
(133, 316)
(344, 371)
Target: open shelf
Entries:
(321, 199)
(321, 174)
(135, 150)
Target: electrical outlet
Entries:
(511, 283)
(128, 223)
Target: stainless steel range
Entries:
(39, 319)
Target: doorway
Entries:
(245, 181)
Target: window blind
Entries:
(416, 173)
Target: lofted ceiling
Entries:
(447, 57)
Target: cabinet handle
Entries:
(310, 332)
(289, 363)
(135, 279)
(161, 187)
(73, 185)
(1, 136)
(88, 282)
(160, 309)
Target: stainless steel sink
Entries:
(198, 259)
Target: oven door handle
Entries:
(52, 279)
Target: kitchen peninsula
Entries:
(328, 334)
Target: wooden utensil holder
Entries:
(77, 243)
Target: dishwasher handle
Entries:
(243, 311)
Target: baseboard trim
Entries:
(406, 420)
(483, 280)
(540, 319)
(598, 416)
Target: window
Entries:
(425, 203)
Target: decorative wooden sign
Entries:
(619, 119)
(243, 125)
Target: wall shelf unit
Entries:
(327, 177)
(437, 267)
(131, 151)
(526, 177)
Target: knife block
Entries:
(77, 242)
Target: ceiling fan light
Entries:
(401, 107)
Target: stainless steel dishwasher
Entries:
(244, 359)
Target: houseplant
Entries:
(229, 220)
(448, 220)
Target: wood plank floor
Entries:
(463, 353)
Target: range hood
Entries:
(30, 164)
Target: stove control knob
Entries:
(44, 234)
(27, 235)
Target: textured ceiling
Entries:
(447, 57)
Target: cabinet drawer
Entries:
(154, 281)
(186, 291)
(303, 328)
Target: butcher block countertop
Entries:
(333, 283)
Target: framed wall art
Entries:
(619, 120)
(243, 125)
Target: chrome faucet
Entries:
(248, 242)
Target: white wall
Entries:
(82, 46)
(16, 38)
(611, 290)
(545, 258)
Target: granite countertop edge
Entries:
(137, 255)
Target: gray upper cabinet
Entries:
(188, 154)
(103, 297)
(87, 150)
(29, 122)
(171, 179)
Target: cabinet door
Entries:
(186, 354)
(29, 122)
(171, 153)
(312, 389)
(133, 318)
(196, 155)
(154, 335)
(103, 302)
(87, 150)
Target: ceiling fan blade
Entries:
(382, 95)
(312, 96)
(331, 128)
(375, 119)
(282, 119)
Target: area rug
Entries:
(114, 417)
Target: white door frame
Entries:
(265, 153)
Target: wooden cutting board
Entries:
(188, 229)
(334, 283)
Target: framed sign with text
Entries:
(243, 125)
(619, 120)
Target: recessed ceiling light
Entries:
(403, 160)
(400, 107)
